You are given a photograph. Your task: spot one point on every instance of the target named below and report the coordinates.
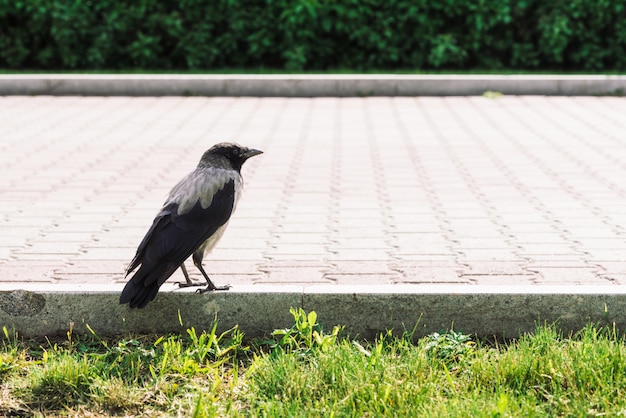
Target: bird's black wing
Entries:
(173, 237)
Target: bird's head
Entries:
(227, 154)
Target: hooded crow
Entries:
(191, 222)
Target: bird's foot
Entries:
(213, 288)
(190, 284)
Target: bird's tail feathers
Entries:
(133, 264)
(144, 285)
(138, 296)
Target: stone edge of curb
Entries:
(34, 310)
(310, 85)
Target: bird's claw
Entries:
(192, 284)
(211, 289)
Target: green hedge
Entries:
(559, 35)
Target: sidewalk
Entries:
(376, 212)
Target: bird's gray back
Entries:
(201, 185)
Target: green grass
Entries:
(304, 371)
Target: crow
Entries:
(190, 223)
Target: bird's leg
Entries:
(197, 260)
(210, 284)
(187, 279)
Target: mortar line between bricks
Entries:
(336, 176)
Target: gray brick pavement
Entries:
(460, 190)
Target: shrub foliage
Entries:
(581, 35)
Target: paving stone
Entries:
(603, 243)
(571, 259)
(235, 254)
(26, 221)
(276, 257)
(6, 252)
(497, 268)
(297, 238)
(50, 248)
(39, 270)
(365, 254)
(73, 277)
(48, 258)
(280, 275)
(491, 254)
(363, 278)
(496, 279)
(443, 258)
(540, 238)
(482, 243)
(66, 237)
(415, 274)
(295, 263)
(529, 249)
(87, 267)
(568, 275)
(559, 263)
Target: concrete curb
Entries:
(352, 85)
(501, 311)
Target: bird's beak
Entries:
(251, 152)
